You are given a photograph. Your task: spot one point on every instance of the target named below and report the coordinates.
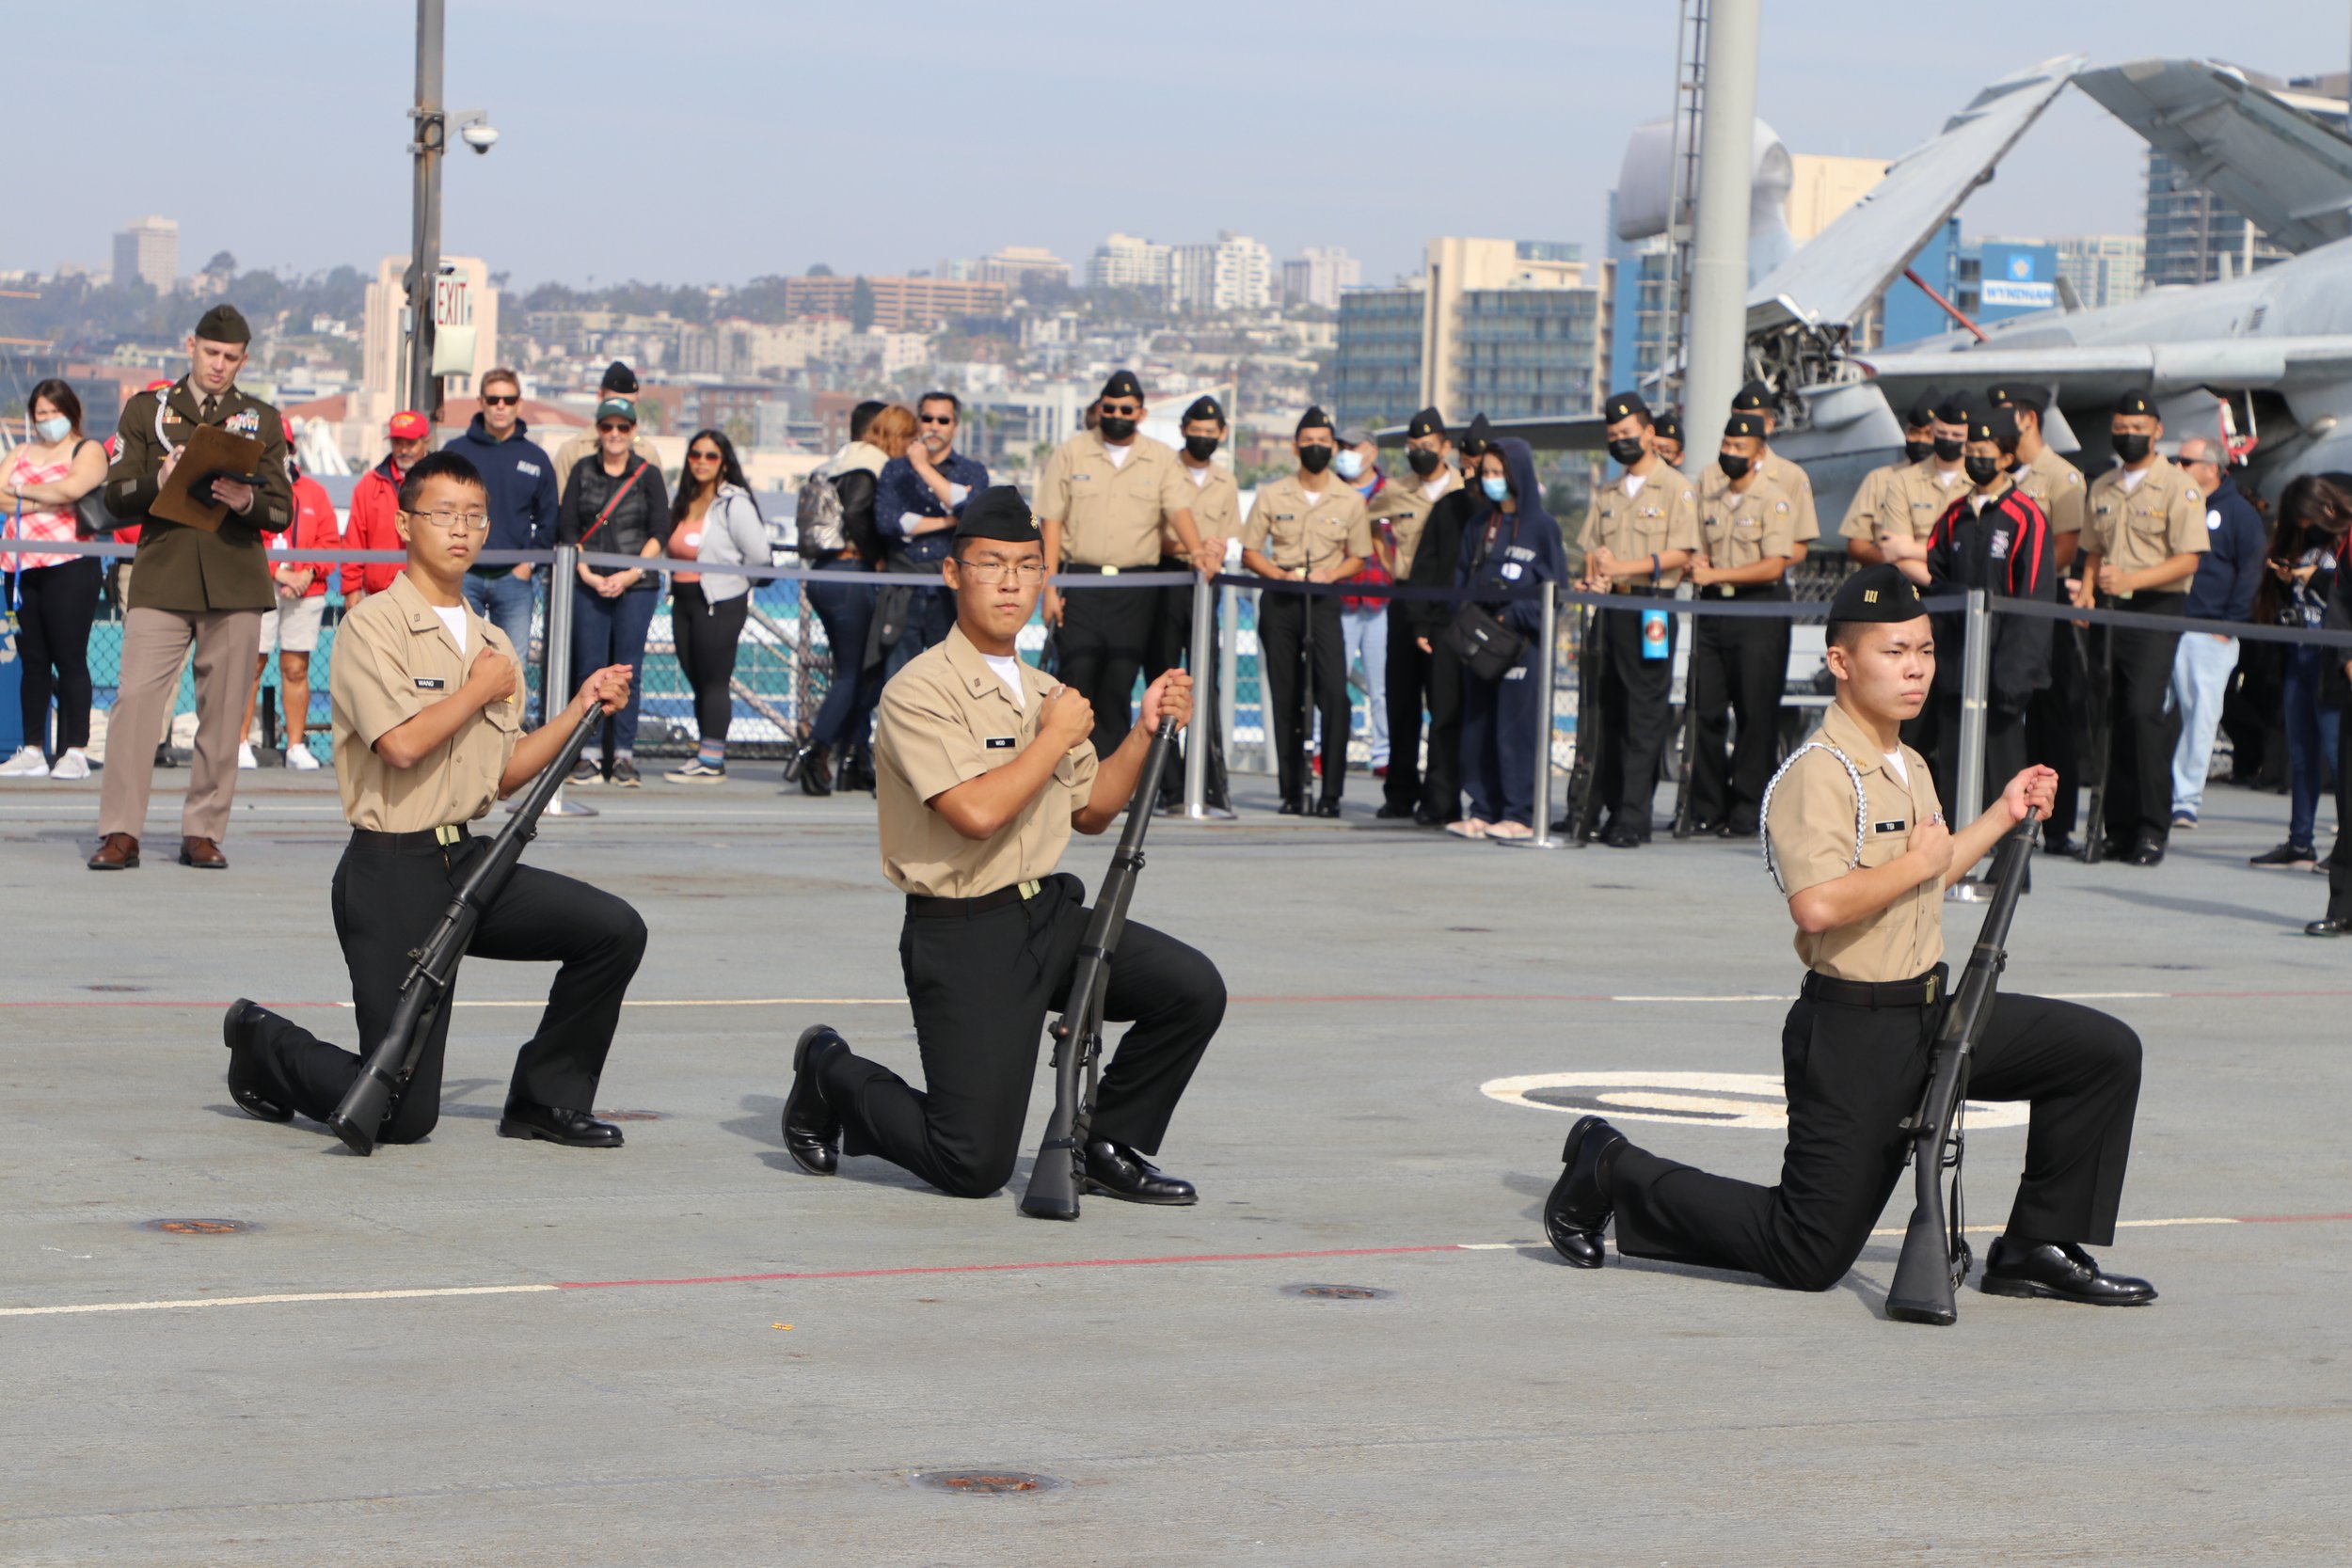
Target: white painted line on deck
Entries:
(273, 1301)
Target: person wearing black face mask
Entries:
(1995, 538)
(1307, 527)
(1897, 507)
(1739, 664)
(2055, 718)
(1665, 439)
(1642, 529)
(1794, 481)
(2146, 529)
(1216, 514)
(1433, 558)
(1108, 499)
(1399, 511)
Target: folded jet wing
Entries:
(2284, 168)
(1834, 278)
(2103, 371)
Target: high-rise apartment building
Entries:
(1125, 261)
(1235, 273)
(1319, 275)
(2102, 269)
(901, 304)
(2189, 231)
(149, 249)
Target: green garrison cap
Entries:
(224, 323)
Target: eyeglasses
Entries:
(937, 418)
(702, 458)
(456, 522)
(493, 400)
(990, 573)
(608, 429)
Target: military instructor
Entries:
(191, 587)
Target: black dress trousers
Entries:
(2004, 752)
(1105, 638)
(2055, 720)
(1407, 684)
(1172, 649)
(1852, 1075)
(1283, 619)
(1739, 667)
(1636, 715)
(2145, 727)
(980, 985)
(387, 900)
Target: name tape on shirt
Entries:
(430, 683)
(999, 742)
(1899, 825)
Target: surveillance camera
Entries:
(480, 137)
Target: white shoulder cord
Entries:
(1861, 806)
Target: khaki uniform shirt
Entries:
(183, 568)
(1811, 819)
(1112, 516)
(946, 717)
(2163, 516)
(1798, 486)
(1663, 515)
(2056, 487)
(1741, 529)
(1299, 535)
(584, 445)
(1216, 507)
(1901, 498)
(1404, 504)
(394, 659)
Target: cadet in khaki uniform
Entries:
(1216, 515)
(192, 589)
(1865, 881)
(1739, 664)
(985, 768)
(1895, 509)
(1794, 481)
(427, 720)
(1642, 528)
(2056, 718)
(2139, 548)
(1399, 515)
(1306, 527)
(1105, 498)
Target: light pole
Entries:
(429, 124)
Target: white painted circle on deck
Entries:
(1748, 1099)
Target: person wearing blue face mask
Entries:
(56, 595)
(1510, 543)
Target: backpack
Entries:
(817, 516)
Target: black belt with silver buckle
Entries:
(1083, 569)
(1747, 591)
(425, 838)
(1924, 991)
(932, 909)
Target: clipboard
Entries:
(211, 453)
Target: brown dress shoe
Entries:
(203, 854)
(116, 852)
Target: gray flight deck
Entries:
(1495, 1408)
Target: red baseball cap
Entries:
(409, 425)
(288, 420)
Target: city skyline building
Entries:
(1235, 273)
(1131, 261)
(149, 249)
(901, 304)
(1015, 265)
(1318, 274)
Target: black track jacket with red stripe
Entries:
(2007, 550)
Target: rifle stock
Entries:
(1053, 1190)
(372, 1098)
(1935, 1259)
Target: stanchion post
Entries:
(1228, 664)
(1546, 661)
(561, 579)
(1196, 743)
(1976, 680)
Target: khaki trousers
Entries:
(154, 642)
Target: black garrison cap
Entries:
(1427, 422)
(1876, 593)
(1922, 411)
(1480, 435)
(1314, 418)
(2135, 402)
(224, 323)
(1745, 424)
(1753, 398)
(2018, 394)
(1124, 383)
(1953, 409)
(1623, 406)
(1668, 424)
(1205, 407)
(998, 513)
(2000, 426)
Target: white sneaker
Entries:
(75, 764)
(301, 759)
(28, 763)
(246, 758)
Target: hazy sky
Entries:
(715, 140)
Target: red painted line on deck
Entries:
(1010, 1268)
(1362, 998)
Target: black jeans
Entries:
(388, 900)
(58, 603)
(707, 636)
(980, 985)
(1852, 1075)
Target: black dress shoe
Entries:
(1291, 808)
(812, 1133)
(237, 1027)
(1622, 838)
(572, 1128)
(1577, 1210)
(2148, 851)
(1326, 808)
(2058, 844)
(1425, 817)
(1390, 813)
(2058, 1272)
(2329, 926)
(1117, 1171)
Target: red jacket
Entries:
(316, 528)
(374, 500)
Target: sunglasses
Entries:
(607, 428)
(938, 418)
(702, 458)
(495, 399)
(1122, 410)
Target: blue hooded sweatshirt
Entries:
(1525, 548)
(520, 477)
